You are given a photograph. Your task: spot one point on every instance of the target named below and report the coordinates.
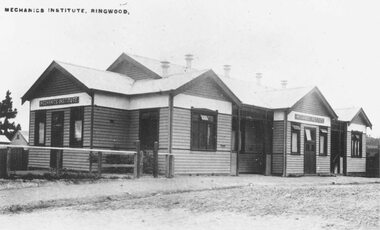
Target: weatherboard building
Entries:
(211, 124)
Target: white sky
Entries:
(334, 45)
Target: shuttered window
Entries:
(323, 142)
(295, 138)
(40, 128)
(76, 127)
(356, 144)
(203, 130)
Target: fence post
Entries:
(136, 169)
(58, 163)
(100, 161)
(8, 162)
(91, 159)
(155, 160)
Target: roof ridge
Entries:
(153, 59)
(91, 68)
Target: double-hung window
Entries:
(76, 127)
(323, 141)
(295, 139)
(356, 144)
(40, 128)
(203, 130)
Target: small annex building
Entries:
(349, 141)
(212, 124)
(21, 137)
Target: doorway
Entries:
(149, 125)
(56, 137)
(310, 151)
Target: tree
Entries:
(7, 113)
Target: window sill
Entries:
(322, 155)
(295, 154)
(204, 150)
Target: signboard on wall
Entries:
(303, 117)
(59, 101)
(309, 119)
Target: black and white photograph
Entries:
(189, 114)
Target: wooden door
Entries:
(149, 125)
(310, 151)
(56, 136)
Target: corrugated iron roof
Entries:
(4, 139)
(120, 83)
(347, 114)
(155, 65)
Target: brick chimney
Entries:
(284, 83)
(165, 68)
(227, 70)
(189, 58)
(258, 78)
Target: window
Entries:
(323, 142)
(76, 127)
(203, 130)
(40, 126)
(356, 144)
(295, 141)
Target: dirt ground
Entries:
(256, 202)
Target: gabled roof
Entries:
(152, 67)
(99, 80)
(4, 139)
(349, 114)
(249, 93)
(24, 134)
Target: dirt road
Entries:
(347, 203)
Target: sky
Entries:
(332, 44)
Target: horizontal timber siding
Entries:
(278, 147)
(181, 128)
(39, 158)
(311, 104)
(294, 164)
(75, 160)
(224, 130)
(197, 162)
(133, 128)
(56, 84)
(110, 128)
(206, 88)
(164, 129)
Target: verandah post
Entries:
(58, 165)
(155, 160)
(100, 161)
(91, 159)
(136, 161)
(8, 162)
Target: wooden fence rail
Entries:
(100, 158)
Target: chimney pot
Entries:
(165, 67)
(258, 78)
(227, 70)
(189, 58)
(284, 83)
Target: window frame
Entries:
(298, 132)
(325, 135)
(74, 111)
(40, 117)
(358, 154)
(207, 112)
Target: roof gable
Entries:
(216, 89)
(354, 115)
(314, 103)
(55, 80)
(125, 64)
